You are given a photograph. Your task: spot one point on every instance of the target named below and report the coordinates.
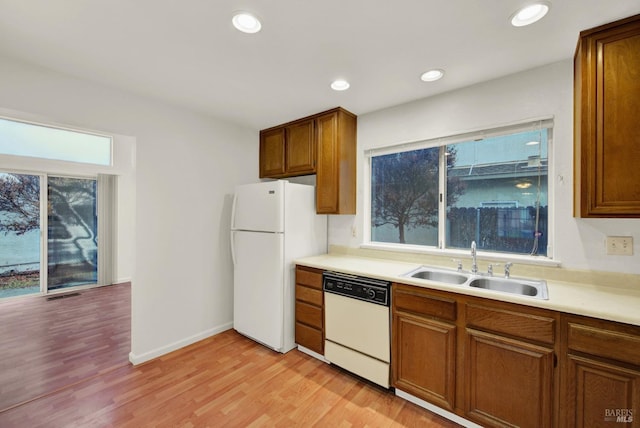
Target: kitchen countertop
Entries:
(609, 303)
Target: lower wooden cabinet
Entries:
(600, 393)
(508, 382)
(422, 326)
(505, 365)
(491, 362)
(601, 374)
(309, 309)
(510, 362)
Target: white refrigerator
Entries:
(272, 223)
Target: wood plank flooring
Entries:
(46, 344)
(224, 381)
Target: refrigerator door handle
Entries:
(233, 247)
(233, 211)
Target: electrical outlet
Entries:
(354, 232)
(620, 245)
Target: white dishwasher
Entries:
(357, 325)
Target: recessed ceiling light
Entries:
(432, 75)
(530, 13)
(532, 143)
(246, 22)
(340, 85)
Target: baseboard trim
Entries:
(437, 410)
(313, 354)
(136, 359)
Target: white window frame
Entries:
(523, 126)
(123, 151)
(67, 132)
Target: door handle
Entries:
(233, 247)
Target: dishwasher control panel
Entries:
(356, 287)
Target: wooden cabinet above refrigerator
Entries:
(323, 144)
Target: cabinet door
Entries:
(601, 394)
(336, 169)
(508, 382)
(301, 148)
(424, 355)
(272, 163)
(327, 177)
(607, 131)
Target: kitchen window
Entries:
(489, 186)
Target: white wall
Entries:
(175, 232)
(544, 91)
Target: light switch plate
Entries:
(620, 245)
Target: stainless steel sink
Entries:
(439, 275)
(523, 287)
(537, 289)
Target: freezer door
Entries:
(259, 206)
(258, 310)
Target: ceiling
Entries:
(188, 53)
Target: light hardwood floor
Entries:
(224, 381)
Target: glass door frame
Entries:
(44, 235)
(44, 268)
(43, 202)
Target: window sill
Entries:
(462, 254)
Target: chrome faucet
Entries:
(474, 263)
(507, 269)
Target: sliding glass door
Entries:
(72, 238)
(70, 256)
(20, 237)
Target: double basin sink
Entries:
(523, 287)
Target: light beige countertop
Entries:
(620, 304)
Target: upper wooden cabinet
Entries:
(606, 128)
(272, 152)
(322, 144)
(336, 173)
(288, 150)
(300, 154)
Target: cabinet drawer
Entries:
(603, 342)
(517, 324)
(413, 300)
(309, 314)
(309, 277)
(309, 337)
(309, 295)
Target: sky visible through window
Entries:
(31, 140)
